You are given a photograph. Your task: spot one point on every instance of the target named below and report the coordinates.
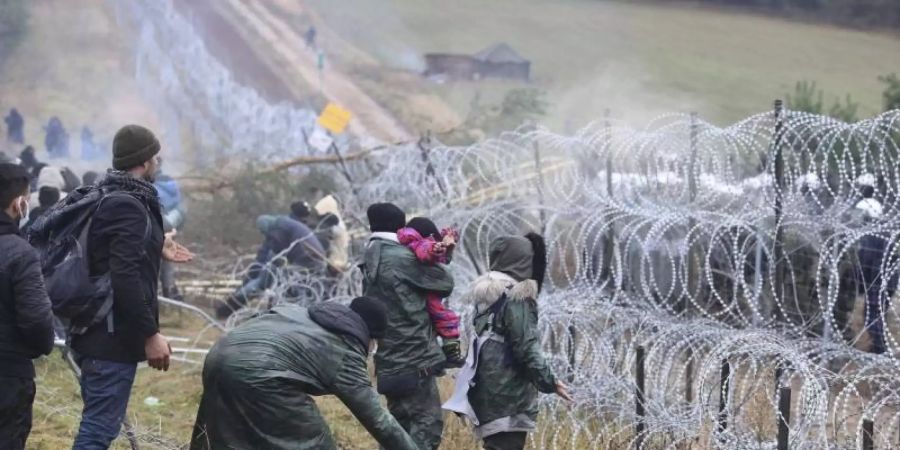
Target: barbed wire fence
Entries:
(704, 287)
(703, 282)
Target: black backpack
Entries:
(61, 238)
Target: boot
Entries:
(453, 352)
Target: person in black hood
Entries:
(259, 379)
(47, 197)
(28, 158)
(15, 127)
(26, 320)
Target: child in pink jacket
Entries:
(432, 247)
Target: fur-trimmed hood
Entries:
(488, 288)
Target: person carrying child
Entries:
(431, 246)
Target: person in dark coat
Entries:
(15, 127)
(56, 139)
(511, 368)
(26, 319)
(259, 379)
(29, 159)
(872, 251)
(90, 177)
(47, 196)
(90, 151)
(287, 241)
(125, 240)
(409, 359)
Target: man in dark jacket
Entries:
(15, 127)
(408, 358)
(285, 241)
(125, 240)
(26, 320)
(259, 378)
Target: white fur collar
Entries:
(488, 288)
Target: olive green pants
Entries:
(419, 413)
(506, 441)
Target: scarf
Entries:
(117, 180)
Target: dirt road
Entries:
(284, 46)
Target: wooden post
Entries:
(607, 125)
(784, 410)
(868, 435)
(571, 352)
(608, 252)
(424, 145)
(689, 378)
(778, 159)
(538, 166)
(692, 162)
(640, 412)
(692, 282)
(725, 383)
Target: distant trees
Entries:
(891, 93)
(855, 13)
(809, 99)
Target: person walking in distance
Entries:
(125, 240)
(26, 320)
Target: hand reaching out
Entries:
(175, 252)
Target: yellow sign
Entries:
(334, 118)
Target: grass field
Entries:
(637, 60)
(168, 425)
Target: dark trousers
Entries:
(419, 413)
(506, 441)
(16, 398)
(875, 305)
(105, 388)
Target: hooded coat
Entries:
(49, 177)
(339, 245)
(511, 366)
(283, 233)
(393, 274)
(258, 379)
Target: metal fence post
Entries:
(639, 410)
(784, 411)
(868, 435)
(725, 383)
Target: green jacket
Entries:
(511, 367)
(393, 274)
(257, 379)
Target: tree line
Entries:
(853, 13)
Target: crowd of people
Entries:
(96, 256)
(56, 137)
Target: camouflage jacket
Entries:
(393, 274)
(511, 367)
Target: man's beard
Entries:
(149, 177)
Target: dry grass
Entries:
(168, 426)
(638, 60)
